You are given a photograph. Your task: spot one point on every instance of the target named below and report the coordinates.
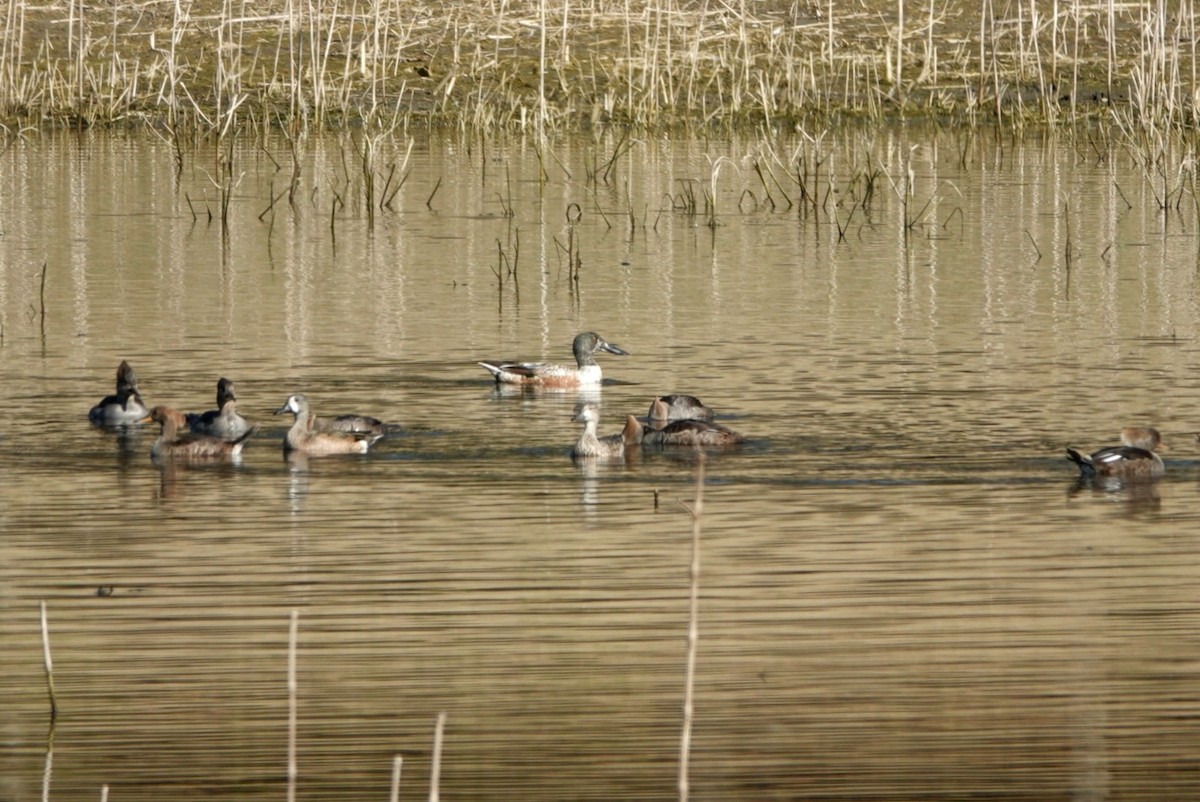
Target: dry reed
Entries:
(693, 635)
(215, 66)
(48, 664)
(292, 766)
(397, 765)
(435, 768)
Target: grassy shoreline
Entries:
(216, 66)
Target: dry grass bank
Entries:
(565, 64)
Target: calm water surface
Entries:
(905, 593)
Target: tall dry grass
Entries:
(551, 65)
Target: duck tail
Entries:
(240, 442)
(632, 433)
(1086, 467)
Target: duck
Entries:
(667, 408)
(1135, 458)
(608, 447)
(546, 374)
(170, 445)
(123, 407)
(224, 421)
(689, 432)
(304, 437)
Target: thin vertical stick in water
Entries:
(48, 664)
(42, 298)
(397, 764)
(685, 738)
(48, 765)
(291, 685)
(435, 769)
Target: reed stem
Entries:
(435, 769)
(48, 664)
(397, 764)
(291, 687)
(42, 300)
(693, 636)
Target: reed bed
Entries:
(544, 66)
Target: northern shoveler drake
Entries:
(224, 421)
(306, 438)
(608, 447)
(667, 408)
(170, 445)
(1135, 458)
(689, 433)
(546, 374)
(123, 407)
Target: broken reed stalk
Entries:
(42, 298)
(291, 687)
(397, 764)
(693, 636)
(435, 768)
(48, 663)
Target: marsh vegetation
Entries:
(221, 65)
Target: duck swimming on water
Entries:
(1135, 458)
(667, 408)
(125, 405)
(688, 433)
(546, 374)
(611, 446)
(224, 421)
(305, 438)
(170, 445)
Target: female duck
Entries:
(305, 438)
(170, 445)
(1135, 458)
(224, 421)
(123, 407)
(690, 433)
(608, 447)
(545, 374)
(667, 408)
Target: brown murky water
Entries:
(905, 594)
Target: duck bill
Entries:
(282, 410)
(613, 349)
